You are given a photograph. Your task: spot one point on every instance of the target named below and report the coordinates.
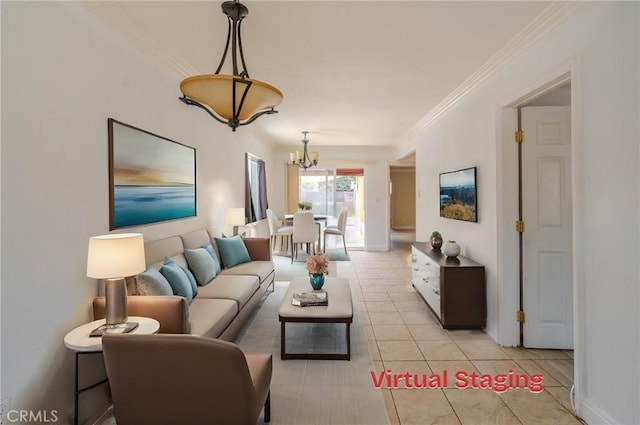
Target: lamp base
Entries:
(115, 292)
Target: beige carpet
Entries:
(318, 392)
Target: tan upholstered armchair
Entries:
(185, 379)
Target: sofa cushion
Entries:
(202, 265)
(177, 279)
(213, 255)
(261, 269)
(237, 288)
(192, 280)
(151, 282)
(209, 317)
(232, 251)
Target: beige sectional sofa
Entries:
(220, 307)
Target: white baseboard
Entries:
(592, 414)
(377, 248)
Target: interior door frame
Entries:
(507, 209)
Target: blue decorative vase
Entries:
(317, 280)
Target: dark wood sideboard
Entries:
(453, 288)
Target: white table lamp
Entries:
(113, 257)
(235, 218)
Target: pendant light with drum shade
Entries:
(235, 99)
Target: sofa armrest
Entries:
(259, 248)
(171, 311)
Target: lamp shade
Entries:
(115, 256)
(235, 217)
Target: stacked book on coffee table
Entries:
(308, 299)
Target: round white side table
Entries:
(80, 342)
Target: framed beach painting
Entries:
(151, 178)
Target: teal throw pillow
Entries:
(151, 282)
(232, 251)
(201, 264)
(212, 252)
(177, 279)
(192, 280)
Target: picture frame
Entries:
(151, 178)
(458, 195)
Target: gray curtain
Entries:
(256, 203)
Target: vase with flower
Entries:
(317, 266)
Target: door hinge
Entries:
(519, 136)
(520, 226)
(520, 316)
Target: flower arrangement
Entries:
(318, 264)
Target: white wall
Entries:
(1, 392)
(63, 75)
(600, 47)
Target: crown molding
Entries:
(113, 14)
(548, 20)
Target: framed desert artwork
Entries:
(458, 195)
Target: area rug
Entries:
(306, 392)
(337, 254)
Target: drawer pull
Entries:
(437, 291)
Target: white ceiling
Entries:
(353, 73)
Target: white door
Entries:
(547, 199)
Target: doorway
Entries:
(402, 202)
(350, 195)
(330, 190)
(509, 273)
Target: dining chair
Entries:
(338, 229)
(276, 229)
(304, 231)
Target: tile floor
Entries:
(404, 336)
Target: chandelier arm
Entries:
(226, 47)
(235, 111)
(234, 59)
(248, 83)
(192, 102)
(258, 115)
(244, 65)
(306, 154)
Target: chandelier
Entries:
(235, 99)
(302, 158)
